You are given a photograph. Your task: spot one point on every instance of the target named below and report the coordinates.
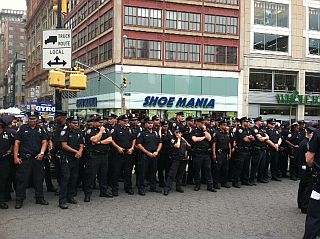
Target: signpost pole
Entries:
(57, 93)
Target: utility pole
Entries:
(57, 93)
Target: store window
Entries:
(270, 42)
(312, 82)
(268, 80)
(221, 24)
(312, 111)
(314, 47)
(314, 19)
(279, 110)
(271, 14)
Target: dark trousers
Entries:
(295, 165)
(262, 164)
(112, 155)
(190, 169)
(69, 177)
(305, 189)
(312, 225)
(122, 162)
(57, 160)
(163, 167)
(4, 177)
(96, 164)
(274, 161)
(176, 172)
(283, 162)
(23, 173)
(220, 168)
(257, 156)
(147, 166)
(240, 158)
(202, 161)
(11, 178)
(47, 172)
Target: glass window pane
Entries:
(259, 41)
(260, 81)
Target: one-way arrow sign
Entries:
(63, 63)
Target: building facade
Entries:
(281, 59)
(40, 17)
(12, 47)
(176, 55)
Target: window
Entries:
(314, 47)
(312, 82)
(83, 13)
(92, 5)
(271, 14)
(143, 17)
(314, 19)
(270, 42)
(93, 30)
(105, 51)
(221, 55)
(183, 21)
(22, 37)
(83, 59)
(74, 41)
(268, 80)
(142, 49)
(182, 52)
(279, 110)
(82, 37)
(10, 28)
(10, 36)
(221, 24)
(232, 2)
(93, 57)
(106, 21)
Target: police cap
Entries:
(74, 118)
(165, 123)
(199, 119)
(132, 117)
(147, 120)
(257, 119)
(223, 121)
(123, 117)
(113, 116)
(32, 115)
(60, 113)
(7, 119)
(155, 117)
(244, 119)
(180, 113)
(271, 121)
(189, 118)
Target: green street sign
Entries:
(295, 99)
(127, 94)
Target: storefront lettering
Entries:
(87, 103)
(295, 99)
(41, 107)
(180, 103)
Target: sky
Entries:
(13, 4)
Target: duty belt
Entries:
(222, 151)
(98, 152)
(244, 148)
(259, 148)
(28, 156)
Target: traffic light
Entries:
(64, 7)
(57, 79)
(78, 81)
(124, 82)
(55, 5)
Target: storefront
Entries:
(163, 91)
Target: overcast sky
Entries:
(13, 4)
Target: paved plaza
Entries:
(267, 211)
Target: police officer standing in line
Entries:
(6, 145)
(30, 146)
(312, 225)
(242, 158)
(293, 141)
(283, 155)
(149, 142)
(221, 153)
(179, 156)
(274, 143)
(60, 118)
(178, 122)
(72, 150)
(259, 148)
(201, 154)
(187, 136)
(124, 141)
(97, 143)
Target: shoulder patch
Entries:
(65, 127)
(172, 141)
(289, 135)
(138, 135)
(234, 130)
(88, 131)
(174, 124)
(112, 131)
(240, 131)
(63, 132)
(256, 131)
(277, 132)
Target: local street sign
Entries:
(56, 51)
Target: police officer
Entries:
(259, 148)
(187, 136)
(30, 146)
(274, 143)
(97, 144)
(283, 155)
(221, 153)
(312, 225)
(293, 140)
(149, 143)
(178, 122)
(60, 118)
(124, 141)
(201, 157)
(242, 157)
(179, 156)
(72, 150)
(6, 143)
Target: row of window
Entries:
(183, 52)
(271, 80)
(231, 2)
(98, 55)
(97, 27)
(147, 17)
